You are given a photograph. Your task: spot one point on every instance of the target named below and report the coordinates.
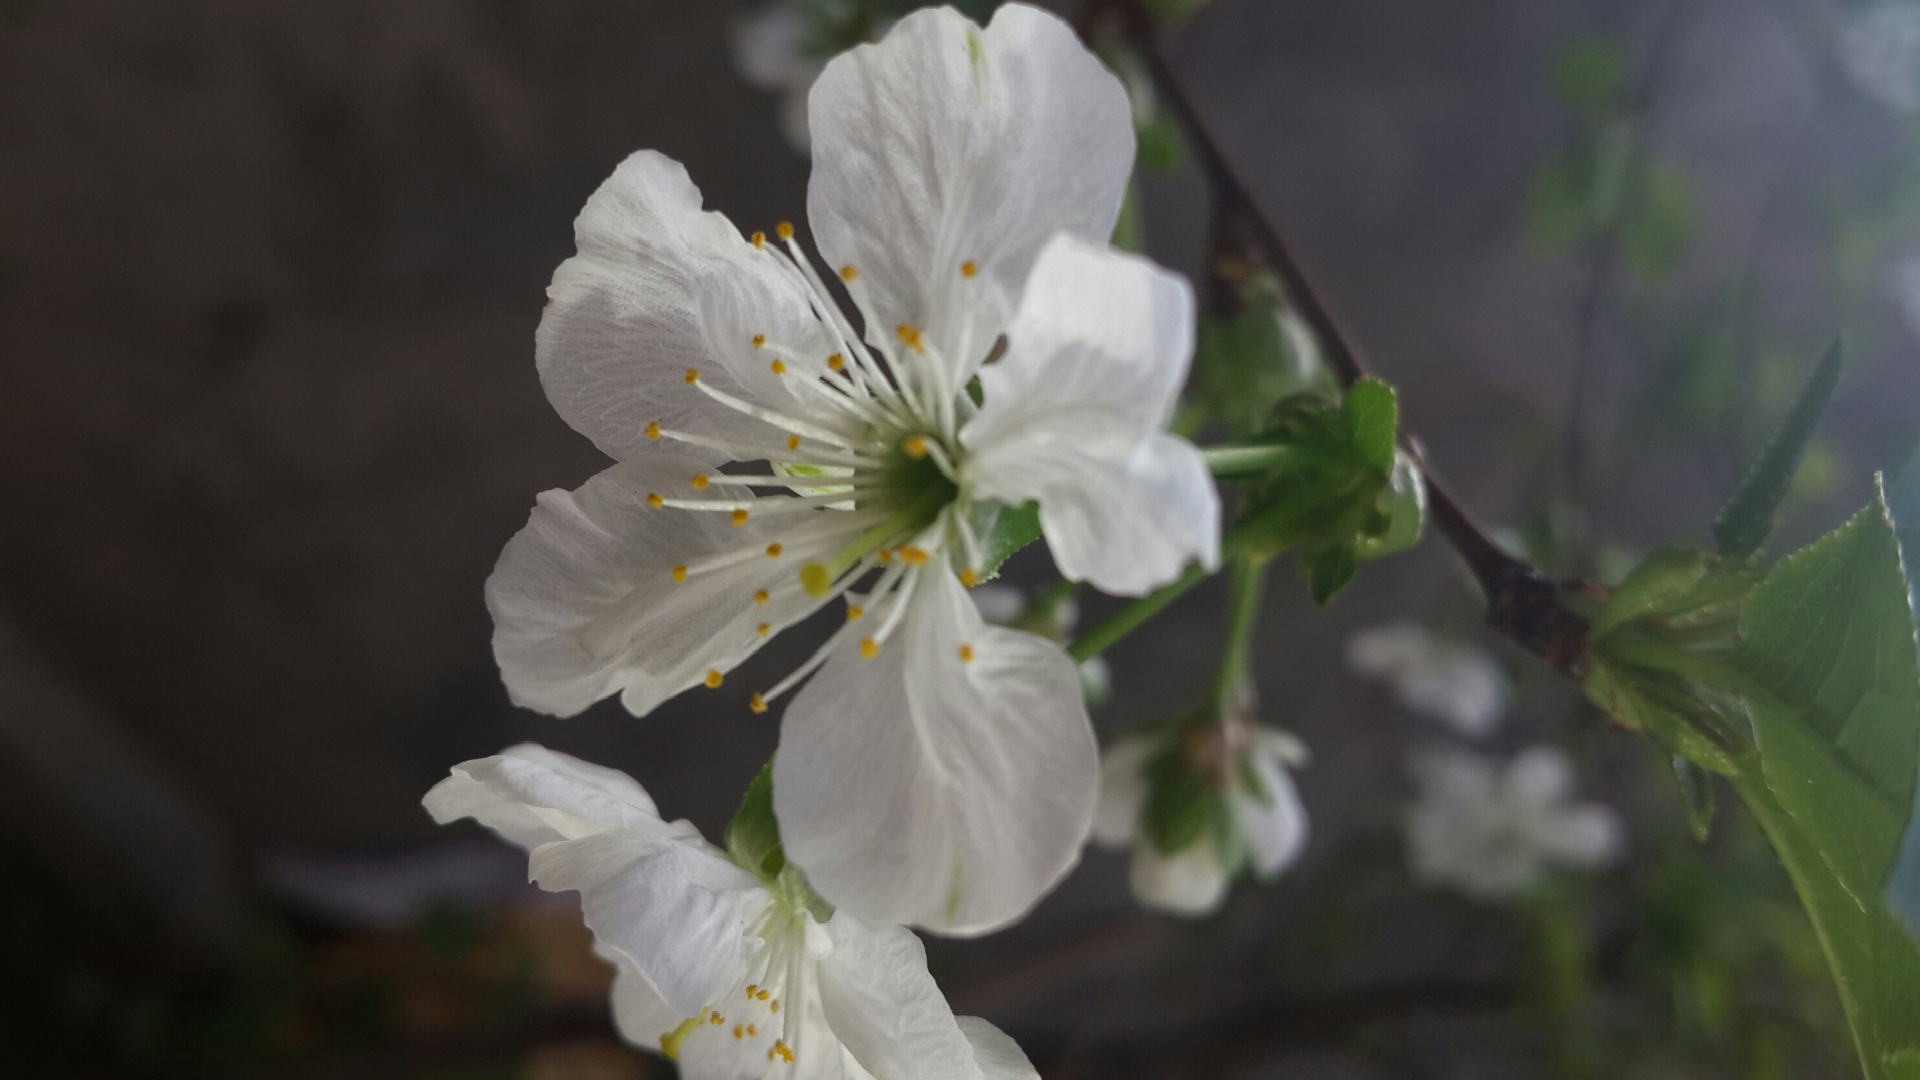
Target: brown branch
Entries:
(1522, 602)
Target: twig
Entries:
(1522, 602)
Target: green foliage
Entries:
(753, 843)
(1590, 75)
(1748, 518)
(1246, 362)
(1013, 528)
(1654, 238)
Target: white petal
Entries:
(999, 1057)
(1189, 882)
(945, 144)
(920, 788)
(1274, 827)
(1539, 777)
(640, 1014)
(584, 603)
(1123, 789)
(681, 914)
(659, 287)
(1584, 837)
(532, 795)
(884, 1007)
(1072, 416)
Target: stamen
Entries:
(778, 367)
(914, 446)
(759, 341)
(784, 231)
(765, 628)
(700, 481)
(715, 1018)
(760, 241)
(869, 648)
(714, 678)
(793, 442)
(968, 578)
(848, 274)
(653, 431)
(739, 1031)
(693, 376)
(816, 579)
(739, 518)
(757, 703)
(773, 550)
(966, 654)
(854, 611)
(655, 502)
(968, 269)
(910, 338)
(680, 573)
(913, 556)
(836, 362)
(777, 419)
(760, 596)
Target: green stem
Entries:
(1258, 459)
(1243, 615)
(1123, 622)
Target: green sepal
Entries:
(1748, 517)
(1013, 528)
(1373, 421)
(1695, 785)
(753, 843)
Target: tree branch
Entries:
(1522, 602)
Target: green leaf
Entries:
(1178, 809)
(1827, 645)
(1402, 508)
(1748, 518)
(1013, 528)
(1659, 230)
(1661, 706)
(1696, 794)
(1589, 74)
(1559, 203)
(1903, 882)
(1328, 572)
(1373, 420)
(1160, 144)
(753, 834)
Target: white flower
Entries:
(1491, 832)
(1880, 48)
(769, 50)
(934, 770)
(1005, 605)
(1261, 804)
(732, 979)
(1453, 682)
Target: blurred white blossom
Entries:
(1880, 48)
(1490, 830)
(1227, 792)
(1451, 681)
(770, 52)
(725, 972)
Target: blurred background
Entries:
(269, 274)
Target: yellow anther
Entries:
(836, 362)
(968, 269)
(693, 376)
(969, 578)
(909, 337)
(751, 987)
(816, 579)
(770, 1053)
(752, 1030)
(739, 518)
(778, 367)
(757, 703)
(774, 1006)
(762, 995)
(885, 555)
(773, 551)
(680, 573)
(739, 1031)
(765, 628)
(780, 1047)
(848, 273)
(715, 1018)
(656, 502)
(915, 446)
(869, 648)
(714, 678)
(854, 611)
(759, 341)
(653, 431)
(784, 230)
(793, 442)
(760, 596)
(913, 556)
(759, 240)
(966, 654)
(700, 481)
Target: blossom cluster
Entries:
(850, 433)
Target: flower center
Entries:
(764, 1014)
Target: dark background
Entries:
(269, 273)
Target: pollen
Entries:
(966, 654)
(759, 341)
(913, 556)
(969, 578)
(915, 446)
(816, 579)
(773, 550)
(909, 337)
(848, 273)
(715, 1018)
(714, 678)
(693, 376)
(760, 596)
(869, 648)
(836, 362)
(793, 442)
(885, 554)
(760, 240)
(655, 501)
(653, 431)
(854, 611)
(751, 987)
(761, 994)
(739, 1031)
(752, 1030)
(778, 367)
(780, 1047)
(757, 704)
(968, 269)
(774, 1005)
(680, 573)
(765, 628)
(700, 481)
(784, 230)
(739, 518)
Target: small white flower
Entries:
(769, 50)
(730, 978)
(1492, 831)
(933, 770)
(1880, 48)
(1260, 802)
(1451, 681)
